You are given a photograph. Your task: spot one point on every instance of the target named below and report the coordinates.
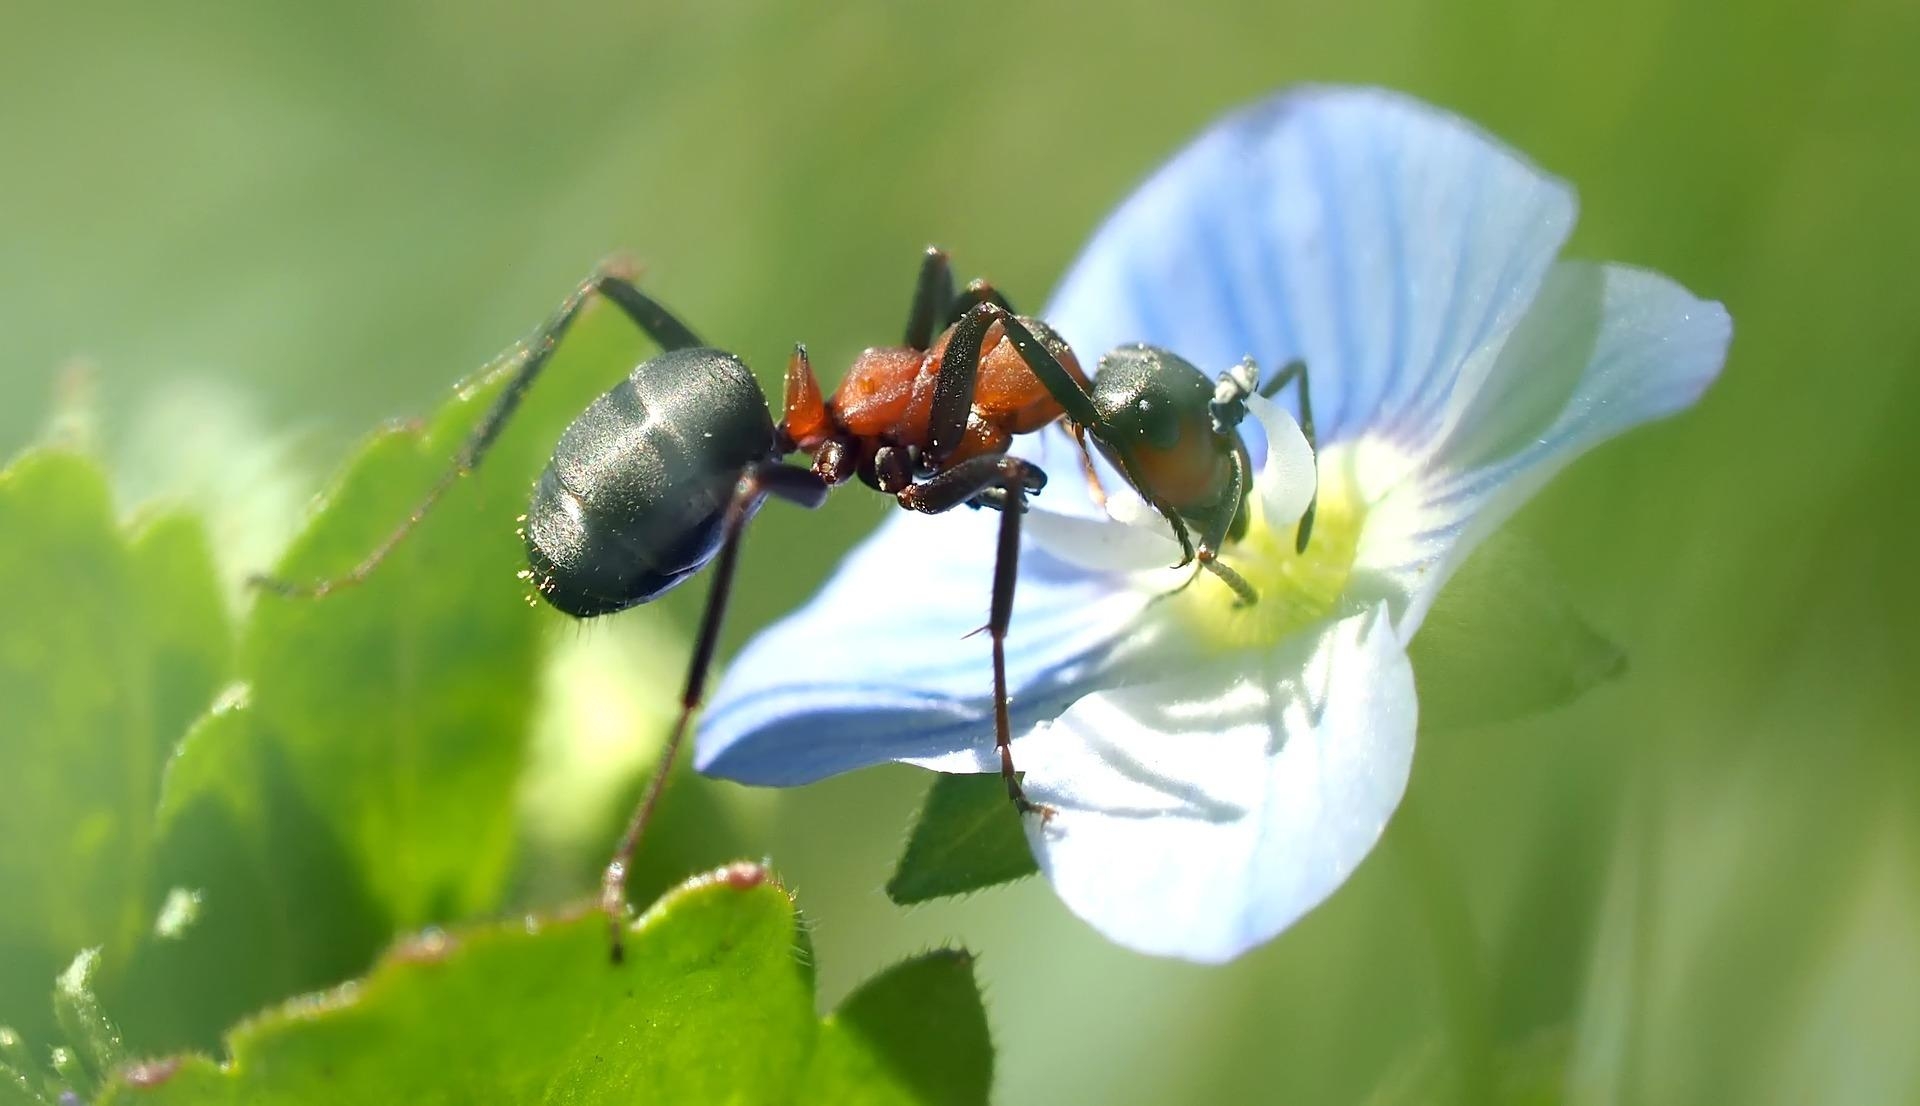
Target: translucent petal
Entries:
(1203, 812)
(1287, 475)
(1104, 545)
(1603, 349)
(1377, 238)
(887, 662)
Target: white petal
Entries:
(1202, 813)
(1377, 238)
(1102, 545)
(1604, 348)
(1288, 475)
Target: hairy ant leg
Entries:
(788, 482)
(533, 354)
(1095, 489)
(953, 387)
(1015, 480)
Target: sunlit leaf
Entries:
(363, 783)
(966, 836)
(112, 641)
(712, 1003)
(914, 1033)
(94, 1038)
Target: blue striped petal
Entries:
(1603, 349)
(1379, 239)
(887, 662)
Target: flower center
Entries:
(1295, 589)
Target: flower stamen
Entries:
(1294, 589)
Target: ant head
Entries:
(1151, 400)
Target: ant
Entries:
(659, 477)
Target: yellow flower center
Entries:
(1295, 589)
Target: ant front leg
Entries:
(1015, 480)
(788, 482)
(532, 354)
(1214, 535)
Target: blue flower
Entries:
(1218, 770)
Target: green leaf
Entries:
(914, 1033)
(95, 1039)
(17, 1085)
(281, 906)
(967, 836)
(713, 1003)
(18, 1090)
(364, 784)
(1502, 642)
(113, 640)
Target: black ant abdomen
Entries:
(635, 497)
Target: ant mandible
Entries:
(659, 477)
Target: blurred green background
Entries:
(265, 228)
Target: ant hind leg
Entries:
(532, 354)
(788, 482)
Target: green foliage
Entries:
(914, 1033)
(714, 1003)
(113, 639)
(966, 836)
(363, 784)
(359, 779)
(96, 1042)
(18, 1083)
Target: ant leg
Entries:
(1072, 397)
(1094, 487)
(1215, 535)
(953, 387)
(532, 355)
(788, 482)
(1297, 371)
(1015, 479)
(931, 293)
(973, 295)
